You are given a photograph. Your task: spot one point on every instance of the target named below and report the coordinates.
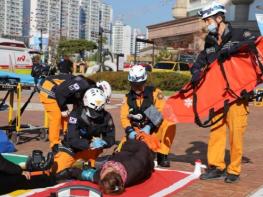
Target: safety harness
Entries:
(50, 93)
(250, 45)
(134, 109)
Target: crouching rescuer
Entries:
(90, 130)
(140, 111)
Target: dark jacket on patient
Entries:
(11, 178)
(137, 159)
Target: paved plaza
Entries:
(190, 144)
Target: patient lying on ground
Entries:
(132, 165)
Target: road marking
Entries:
(175, 186)
(258, 193)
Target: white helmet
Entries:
(211, 10)
(106, 87)
(137, 74)
(94, 101)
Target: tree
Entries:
(69, 47)
(164, 55)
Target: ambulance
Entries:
(14, 57)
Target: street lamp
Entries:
(101, 31)
(143, 41)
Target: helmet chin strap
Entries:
(89, 115)
(88, 112)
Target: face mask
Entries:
(212, 28)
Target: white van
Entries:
(14, 57)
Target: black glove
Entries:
(223, 55)
(226, 53)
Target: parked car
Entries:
(148, 67)
(127, 66)
(170, 66)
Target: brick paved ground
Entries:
(190, 144)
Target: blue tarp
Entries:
(24, 79)
(6, 146)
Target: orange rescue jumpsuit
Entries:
(236, 121)
(47, 98)
(165, 132)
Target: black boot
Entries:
(162, 160)
(213, 173)
(69, 173)
(55, 149)
(232, 178)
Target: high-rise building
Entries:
(42, 18)
(106, 22)
(70, 15)
(121, 39)
(137, 33)
(11, 17)
(53, 19)
(92, 11)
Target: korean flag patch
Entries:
(72, 120)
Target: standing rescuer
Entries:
(65, 66)
(221, 42)
(141, 110)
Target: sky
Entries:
(141, 13)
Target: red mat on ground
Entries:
(161, 183)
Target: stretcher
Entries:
(13, 84)
(221, 85)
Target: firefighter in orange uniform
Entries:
(222, 42)
(141, 110)
(56, 120)
(90, 130)
(58, 91)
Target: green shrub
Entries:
(165, 81)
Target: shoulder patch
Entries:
(72, 120)
(210, 50)
(75, 86)
(160, 95)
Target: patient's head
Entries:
(112, 183)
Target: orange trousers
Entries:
(236, 121)
(166, 133)
(63, 160)
(55, 120)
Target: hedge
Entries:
(165, 81)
